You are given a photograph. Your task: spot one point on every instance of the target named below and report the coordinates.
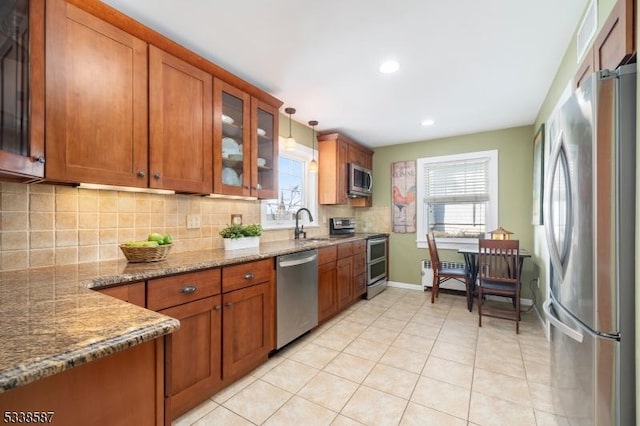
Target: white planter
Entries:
(241, 243)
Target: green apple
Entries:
(154, 236)
(168, 239)
(151, 244)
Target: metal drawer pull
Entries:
(189, 289)
(218, 307)
(228, 304)
(249, 276)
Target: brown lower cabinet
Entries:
(341, 277)
(125, 388)
(227, 322)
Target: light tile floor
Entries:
(397, 359)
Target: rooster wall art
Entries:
(403, 196)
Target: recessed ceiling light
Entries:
(426, 123)
(389, 67)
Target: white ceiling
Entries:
(470, 65)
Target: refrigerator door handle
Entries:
(574, 333)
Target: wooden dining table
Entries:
(471, 263)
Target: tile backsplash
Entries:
(44, 225)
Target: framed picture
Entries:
(403, 196)
(538, 175)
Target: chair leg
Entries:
(479, 306)
(517, 313)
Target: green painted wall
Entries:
(515, 162)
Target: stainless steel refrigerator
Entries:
(589, 215)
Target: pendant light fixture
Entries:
(313, 165)
(290, 144)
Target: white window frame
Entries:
(421, 206)
(310, 182)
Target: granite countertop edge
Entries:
(60, 300)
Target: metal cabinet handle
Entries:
(39, 159)
(228, 304)
(141, 173)
(258, 187)
(157, 175)
(249, 276)
(218, 308)
(189, 289)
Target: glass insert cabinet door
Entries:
(264, 183)
(232, 140)
(245, 154)
(22, 87)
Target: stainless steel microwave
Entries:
(360, 181)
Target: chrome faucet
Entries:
(300, 230)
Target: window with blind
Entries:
(457, 197)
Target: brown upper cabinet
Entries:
(615, 43)
(22, 86)
(96, 102)
(335, 152)
(245, 157)
(127, 106)
(180, 124)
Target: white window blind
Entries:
(458, 195)
(457, 181)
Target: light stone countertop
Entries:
(51, 320)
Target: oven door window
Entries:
(377, 250)
(377, 270)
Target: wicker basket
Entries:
(146, 254)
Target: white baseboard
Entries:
(406, 286)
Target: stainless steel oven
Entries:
(376, 265)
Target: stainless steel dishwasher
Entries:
(297, 295)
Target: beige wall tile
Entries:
(67, 202)
(126, 234)
(66, 255)
(67, 238)
(16, 240)
(108, 220)
(108, 201)
(41, 239)
(41, 202)
(42, 189)
(109, 252)
(41, 257)
(15, 202)
(88, 201)
(66, 220)
(88, 237)
(88, 254)
(88, 220)
(108, 236)
(126, 220)
(14, 221)
(41, 221)
(126, 202)
(15, 188)
(16, 259)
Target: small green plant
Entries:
(239, 231)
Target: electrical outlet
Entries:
(193, 221)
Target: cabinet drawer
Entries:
(359, 246)
(132, 293)
(327, 254)
(172, 291)
(246, 274)
(345, 250)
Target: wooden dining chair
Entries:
(442, 274)
(499, 275)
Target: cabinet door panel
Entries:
(327, 290)
(193, 353)
(181, 139)
(615, 42)
(264, 148)
(247, 329)
(96, 103)
(344, 269)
